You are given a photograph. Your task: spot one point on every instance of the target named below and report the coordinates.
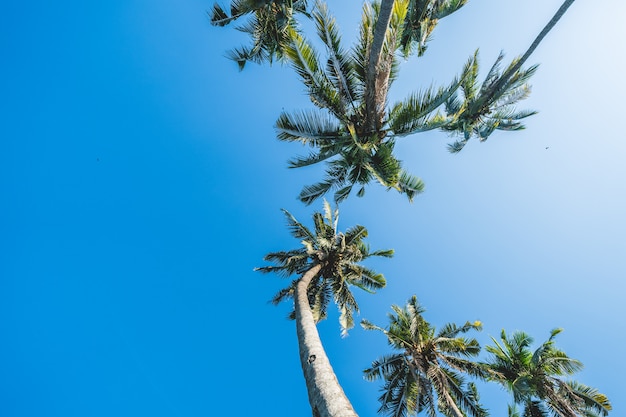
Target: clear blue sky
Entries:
(141, 182)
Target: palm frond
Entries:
(310, 193)
(305, 61)
(297, 229)
(339, 66)
(592, 400)
(312, 128)
(414, 114)
(311, 159)
(410, 185)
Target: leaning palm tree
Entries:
(489, 106)
(425, 372)
(327, 265)
(535, 378)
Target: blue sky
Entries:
(141, 182)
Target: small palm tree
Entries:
(535, 378)
(425, 372)
(327, 265)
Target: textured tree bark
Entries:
(374, 94)
(326, 396)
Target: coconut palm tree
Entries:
(269, 25)
(327, 265)
(535, 378)
(355, 137)
(425, 371)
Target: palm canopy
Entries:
(535, 378)
(354, 130)
(269, 21)
(425, 372)
(338, 254)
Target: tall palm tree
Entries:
(354, 136)
(269, 25)
(535, 378)
(425, 371)
(326, 266)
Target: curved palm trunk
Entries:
(326, 396)
(557, 16)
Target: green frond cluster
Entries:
(535, 378)
(426, 372)
(339, 255)
(421, 19)
(270, 25)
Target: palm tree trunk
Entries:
(326, 396)
(372, 89)
(557, 16)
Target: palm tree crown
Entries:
(425, 373)
(535, 378)
(338, 255)
(354, 129)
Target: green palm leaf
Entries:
(412, 115)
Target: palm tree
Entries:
(425, 372)
(535, 378)
(327, 265)
(354, 136)
(269, 25)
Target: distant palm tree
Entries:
(425, 373)
(327, 265)
(535, 378)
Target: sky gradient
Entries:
(141, 183)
